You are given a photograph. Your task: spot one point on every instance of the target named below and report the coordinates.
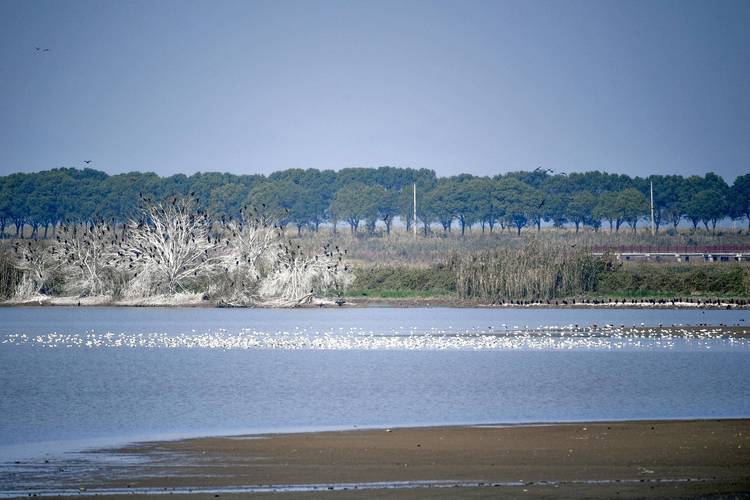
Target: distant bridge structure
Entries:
(681, 253)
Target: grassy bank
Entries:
(630, 280)
(493, 268)
(653, 280)
(403, 282)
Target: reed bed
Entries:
(539, 269)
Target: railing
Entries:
(672, 249)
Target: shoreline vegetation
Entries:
(624, 459)
(294, 239)
(530, 271)
(195, 300)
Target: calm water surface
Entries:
(77, 377)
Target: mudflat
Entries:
(583, 460)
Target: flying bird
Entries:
(40, 49)
(87, 161)
(542, 203)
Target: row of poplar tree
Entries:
(370, 198)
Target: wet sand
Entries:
(594, 460)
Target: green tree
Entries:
(470, 198)
(707, 206)
(228, 200)
(632, 206)
(581, 208)
(281, 201)
(388, 206)
(520, 201)
(354, 203)
(607, 208)
(441, 203)
(740, 195)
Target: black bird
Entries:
(537, 169)
(40, 49)
(542, 203)
(87, 161)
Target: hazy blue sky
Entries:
(459, 86)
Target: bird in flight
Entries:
(87, 161)
(542, 203)
(40, 49)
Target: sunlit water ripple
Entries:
(508, 337)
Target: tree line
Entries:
(365, 198)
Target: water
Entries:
(71, 378)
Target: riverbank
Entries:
(197, 300)
(579, 460)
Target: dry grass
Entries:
(540, 269)
(402, 249)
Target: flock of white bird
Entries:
(503, 337)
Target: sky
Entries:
(456, 86)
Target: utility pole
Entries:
(414, 221)
(653, 226)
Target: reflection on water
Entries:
(72, 377)
(548, 337)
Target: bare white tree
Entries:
(88, 255)
(169, 248)
(298, 275)
(174, 248)
(248, 258)
(37, 263)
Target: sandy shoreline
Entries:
(582, 460)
